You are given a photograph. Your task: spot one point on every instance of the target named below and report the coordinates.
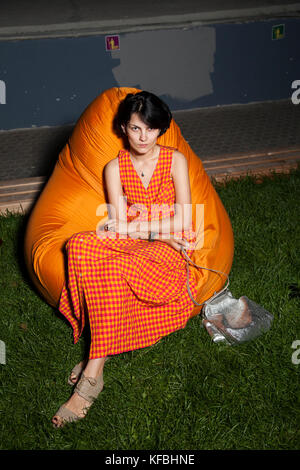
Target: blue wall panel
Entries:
(48, 82)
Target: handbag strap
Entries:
(216, 294)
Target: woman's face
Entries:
(142, 139)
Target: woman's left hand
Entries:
(113, 225)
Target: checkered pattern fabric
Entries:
(132, 292)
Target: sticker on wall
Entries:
(278, 31)
(112, 43)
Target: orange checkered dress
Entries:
(133, 292)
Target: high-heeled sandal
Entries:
(89, 389)
(76, 372)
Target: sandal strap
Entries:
(89, 388)
(67, 415)
(76, 371)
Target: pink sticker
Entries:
(112, 43)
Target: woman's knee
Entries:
(76, 240)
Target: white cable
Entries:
(216, 294)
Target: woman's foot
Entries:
(74, 409)
(86, 391)
(76, 372)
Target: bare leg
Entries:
(76, 403)
(94, 367)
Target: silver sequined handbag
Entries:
(230, 320)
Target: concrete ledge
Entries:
(121, 25)
(19, 195)
(234, 166)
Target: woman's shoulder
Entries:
(178, 155)
(179, 161)
(112, 163)
(112, 166)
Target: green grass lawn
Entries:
(185, 392)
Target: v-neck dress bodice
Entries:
(133, 292)
(153, 172)
(160, 190)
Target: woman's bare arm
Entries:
(116, 199)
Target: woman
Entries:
(128, 278)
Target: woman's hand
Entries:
(120, 226)
(114, 225)
(124, 228)
(176, 243)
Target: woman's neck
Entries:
(143, 158)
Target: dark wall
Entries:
(49, 82)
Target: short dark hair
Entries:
(150, 108)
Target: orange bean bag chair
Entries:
(68, 204)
